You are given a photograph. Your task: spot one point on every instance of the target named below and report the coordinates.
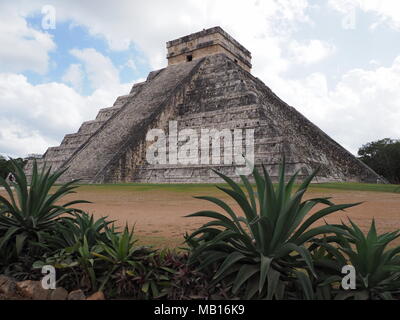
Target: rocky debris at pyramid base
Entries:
(10, 289)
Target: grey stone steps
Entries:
(212, 92)
(108, 143)
(224, 112)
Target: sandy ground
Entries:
(158, 214)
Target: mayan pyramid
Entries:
(207, 84)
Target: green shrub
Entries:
(377, 267)
(272, 251)
(128, 266)
(327, 265)
(189, 283)
(257, 255)
(121, 248)
(160, 274)
(31, 212)
(72, 229)
(72, 244)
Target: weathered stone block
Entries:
(76, 295)
(209, 92)
(59, 294)
(33, 290)
(99, 295)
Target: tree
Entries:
(383, 156)
(6, 167)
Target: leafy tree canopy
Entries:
(383, 156)
(6, 167)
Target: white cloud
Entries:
(312, 51)
(22, 47)
(388, 11)
(34, 117)
(342, 6)
(262, 26)
(362, 107)
(99, 69)
(17, 140)
(131, 64)
(74, 76)
(148, 25)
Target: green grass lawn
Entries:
(195, 188)
(393, 188)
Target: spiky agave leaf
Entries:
(71, 229)
(32, 210)
(377, 267)
(266, 244)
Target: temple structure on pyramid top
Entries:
(207, 85)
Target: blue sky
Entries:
(68, 36)
(356, 48)
(336, 61)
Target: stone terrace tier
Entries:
(211, 90)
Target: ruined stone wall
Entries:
(220, 97)
(212, 92)
(223, 96)
(311, 143)
(126, 163)
(207, 51)
(206, 43)
(96, 155)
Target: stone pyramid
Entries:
(207, 84)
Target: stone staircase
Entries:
(55, 157)
(208, 93)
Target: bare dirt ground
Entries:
(158, 213)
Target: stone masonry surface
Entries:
(212, 92)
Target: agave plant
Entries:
(377, 268)
(74, 228)
(258, 253)
(122, 255)
(328, 264)
(30, 212)
(121, 249)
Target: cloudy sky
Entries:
(336, 61)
